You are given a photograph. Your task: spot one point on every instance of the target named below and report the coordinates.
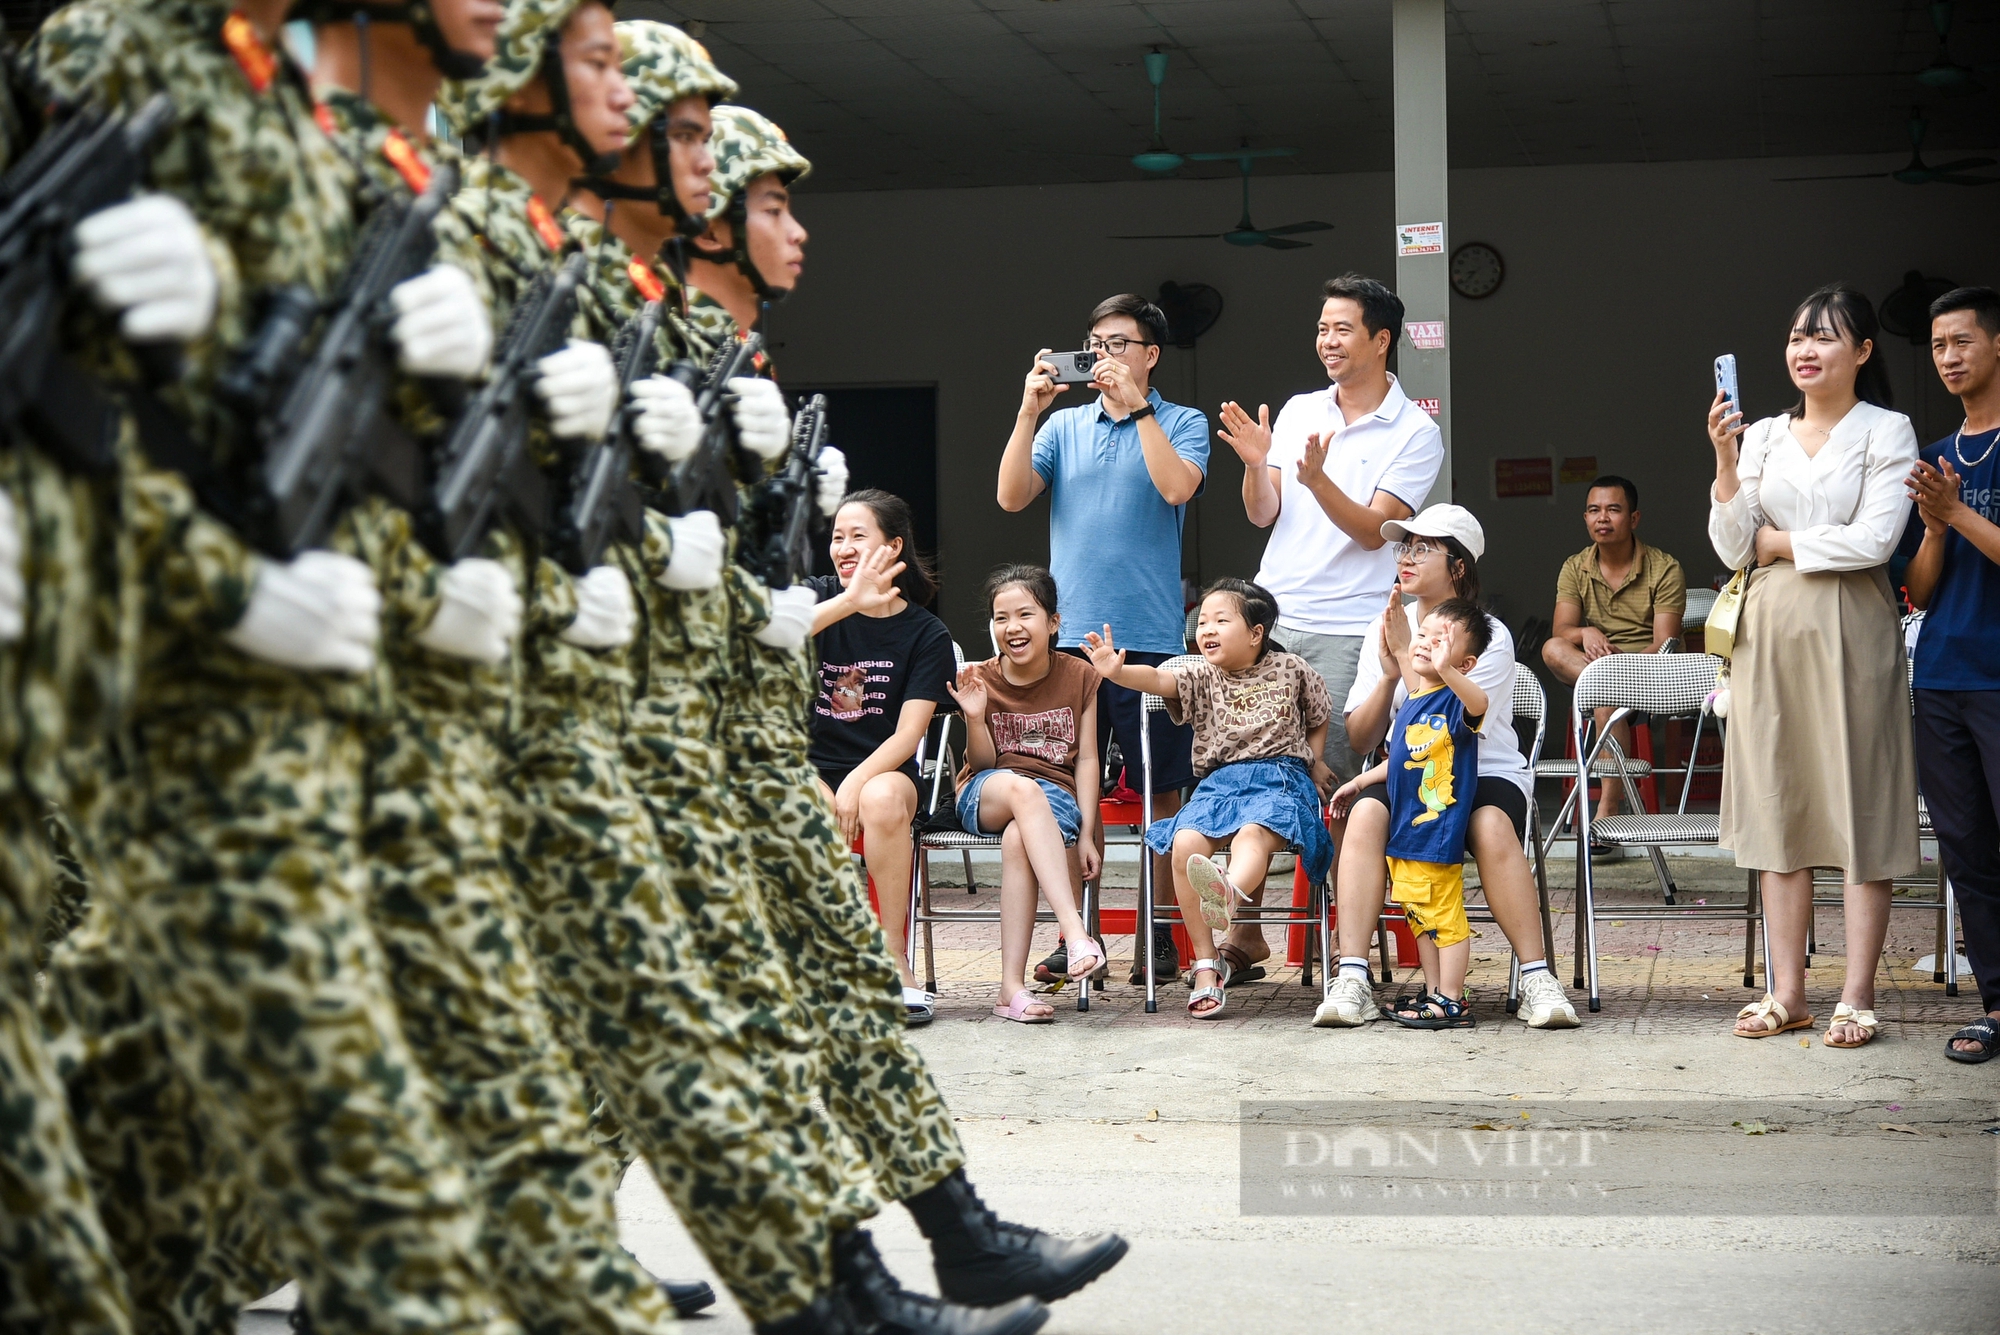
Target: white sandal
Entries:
(1845, 1014)
(1214, 889)
(1771, 1014)
(1219, 993)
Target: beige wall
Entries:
(1623, 283)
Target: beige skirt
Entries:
(1818, 769)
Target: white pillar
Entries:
(1423, 280)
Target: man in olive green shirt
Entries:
(1616, 596)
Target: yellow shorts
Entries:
(1433, 898)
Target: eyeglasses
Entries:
(1115, 345)
(1414, 552)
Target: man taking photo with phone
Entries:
(1119, 473)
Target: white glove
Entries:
(579, 387)
(13, 591)
(146, 258)
(441, 328)
(479, 612)
(791, 618)
(605, 615)
(832, 481)
(763, 423)
(320, 612)
(667, 423)
(699, 551)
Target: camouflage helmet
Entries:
(417, 14)
(662, 65)
(747, 145)
(528, 47)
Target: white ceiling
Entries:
(894, 94)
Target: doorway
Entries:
(889, 435)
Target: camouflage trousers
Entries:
(875, 1084)
(678, 1058)
(58, 1275)
(249, 930)
(446, 912)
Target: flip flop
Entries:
(1846, 1014)
(1017, 1010)
(1242, 969)
(1214, 889)
(1772, 1015)
(1086, 957)
(1983, 1032)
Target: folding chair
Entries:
(1661, 684)
(928, 842)
(1316, 911)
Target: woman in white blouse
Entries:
(1818, 770)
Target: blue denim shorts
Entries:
(1068, 815)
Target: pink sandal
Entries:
(1017, 1009)
(1086, 957)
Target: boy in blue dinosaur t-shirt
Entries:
(1432, 771)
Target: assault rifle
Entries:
(706, 480)
(601, 502)
(324, 431)
(90, 161)
(484, 461)
(782, 507)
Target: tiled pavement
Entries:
(1656, 977)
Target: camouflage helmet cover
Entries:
(664, 65)
(747, 144)
(522, 44)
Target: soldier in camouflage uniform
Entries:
(875, 1084)
(237, 884)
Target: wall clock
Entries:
(1476, 270)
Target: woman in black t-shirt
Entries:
(884, 665)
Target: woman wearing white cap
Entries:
(1437, 556)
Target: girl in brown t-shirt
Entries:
(1031, 764)
(1260, 717)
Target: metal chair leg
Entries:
(971, 886)
(1382, 934)
(1325, 893)
(1755, 901)
(1576, 908)
(1661, 870)
(1950, 938)
(1513, 982)
(930, 941)
(1589, 911)
(1089, 916)
(1944, 941)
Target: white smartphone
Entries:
(1725, 383)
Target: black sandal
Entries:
(1444, 1013)
(1984, 1033)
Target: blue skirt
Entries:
(1276, 794)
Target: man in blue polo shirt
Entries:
(1119, 473)
(1953, 543)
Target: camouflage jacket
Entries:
(559, 681)
(274, 199)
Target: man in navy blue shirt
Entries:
(1119, 473)
(1954, 574)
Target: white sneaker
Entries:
(1543, 1003)
(1349, 1003)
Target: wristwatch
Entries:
(1143, 410)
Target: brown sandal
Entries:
(1242, 969)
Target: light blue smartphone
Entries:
(1725, 382)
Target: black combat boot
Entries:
(827, 1315)
(884, 1307)
(687, 1298)
(982, 1260)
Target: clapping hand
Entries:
(1251, 439)
(872, 587)
(1395, 634)
(1312, 463)
(1936, 492)
(970, 692)
(1106, 657)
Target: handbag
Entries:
(1719, 631)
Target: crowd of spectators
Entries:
(1364, 639)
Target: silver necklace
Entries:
(1959, 449)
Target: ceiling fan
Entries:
(1158, 158)
(1245, 233)
(1943, 74)
(1917, 171)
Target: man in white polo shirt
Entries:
(1337, 464)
